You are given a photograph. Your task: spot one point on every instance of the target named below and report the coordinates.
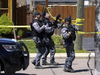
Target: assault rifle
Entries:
(56, 21)
(43, 17)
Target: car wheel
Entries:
(0, 68)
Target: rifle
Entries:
(56, 21)
(43, 17)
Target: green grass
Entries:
(81, 51)
(32, 48)
(30, 45)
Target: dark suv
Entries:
(14, 56)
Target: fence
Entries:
(21, 18)
(89, 16)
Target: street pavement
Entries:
(79, 64)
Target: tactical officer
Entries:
(68, 33)
(49, 44)
(38, 34)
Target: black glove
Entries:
(58, 17)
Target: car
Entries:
(14, 56)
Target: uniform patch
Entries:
(64, 31)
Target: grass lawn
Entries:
(32, 48)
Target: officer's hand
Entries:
(58, 17)
(43, 25)
(69, 33)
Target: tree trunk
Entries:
(97, 39)
(80, 15)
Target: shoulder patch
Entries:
(64, 31)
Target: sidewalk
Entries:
(63, 55)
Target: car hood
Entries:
(7, 41)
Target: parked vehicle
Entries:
(14, 56)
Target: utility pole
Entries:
(31, 11)
(80, 15)
(97, 38)
(33, 6)
(46, 3)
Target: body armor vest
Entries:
(35, 33)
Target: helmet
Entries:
(68, 19)
(36, 13)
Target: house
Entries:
(15, 11)
(6, 8)
(51, 2)
(60, 2)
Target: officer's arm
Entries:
(48, 29)
(76, 28)
(38, 28)
(65, 34)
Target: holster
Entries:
(65, 46)
(48, 42)
(38, 42)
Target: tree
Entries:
(97, 38)
(80, 15)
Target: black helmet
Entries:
(68, 19)
(37, 13)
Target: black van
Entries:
(14, 56)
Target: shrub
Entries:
(58, 40)
(20, 32)
(6, 22)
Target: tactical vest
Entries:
(72, 30)
(73, 35)
(35, 33)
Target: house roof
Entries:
(54, 1)
(60, 1)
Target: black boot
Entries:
(33, 62)
(54, 63)
(45, 63)
(39, 67)
(68, 70)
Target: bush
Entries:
(6, 22)
(58, 40)
(20, 32)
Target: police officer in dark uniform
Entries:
(68, 33)
(38, 34)
(49, 44)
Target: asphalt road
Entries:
(79, 65)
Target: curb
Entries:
(64, 55)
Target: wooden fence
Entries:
(21, 18)
(89, 16)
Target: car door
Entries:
(25, 55)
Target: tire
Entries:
(0, 68)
